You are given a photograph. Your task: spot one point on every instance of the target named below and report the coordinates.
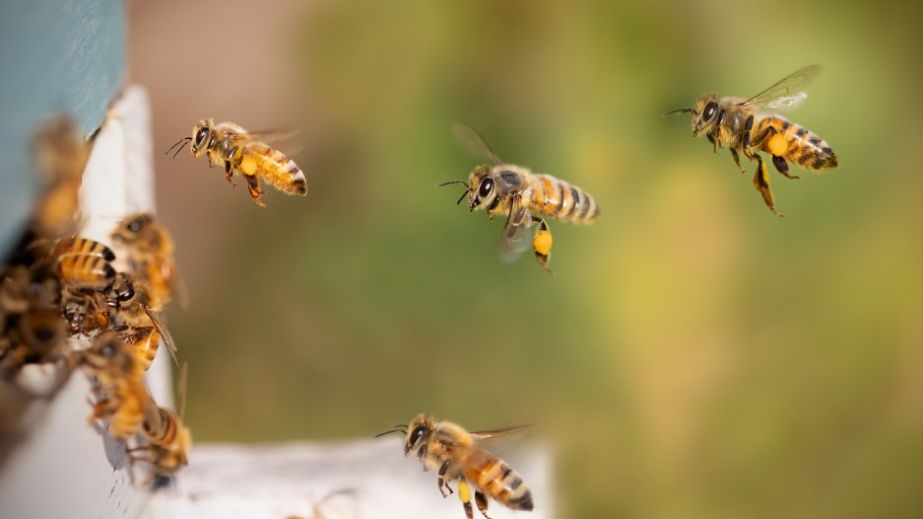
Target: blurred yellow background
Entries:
(694, 356)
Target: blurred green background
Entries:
(694, 356)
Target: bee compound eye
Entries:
(487, 185)
(709, 111)
(127, 294)
(200, 137)
(134, 225)
(416, 434)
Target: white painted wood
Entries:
(350, 480)
(65, 467)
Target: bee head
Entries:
(126, 292)
(131, 227)
(704, 114)
(201, 134)
(418, 431)
(481, 188)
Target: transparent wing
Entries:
(505, 433)
(786, 94)
(275, 137)
(514, 240)
(164, 334)
(473, 142)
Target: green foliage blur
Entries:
(693, 355)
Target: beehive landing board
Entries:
(367, 479)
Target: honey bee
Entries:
(150, 254)
(168, 439)
(123, 400)
(749, 126)
(132, 314)
(523, 197)
(457, 456)
(239, 151)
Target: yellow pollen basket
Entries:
(777, 145)
(542, 242)
(248, 166)
(463, 493)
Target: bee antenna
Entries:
(463, 196)
(181, 143)
(462, 182)
(678, 111)
(397, 428)
(450, 182)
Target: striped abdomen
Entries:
(164, 433)
(795, 144)
(496, 479)
(85, 263)
(562, 200)
(272, 166)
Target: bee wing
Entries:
(505, 433)
(473, 142)
(164, 334)
(275, 137)
(786, 94)
(514, 239)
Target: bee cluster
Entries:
(71, 304)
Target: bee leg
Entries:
(782, 167)
(228, 174)
(441, 480)
(255, 192)
(737, 160)
(481, 500)
(541, 243)
(464, 494)
(761, 183)
(713, 141)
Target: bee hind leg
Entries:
(464, 494)
(481, 500)
(542, 243)
(761, 183)
(256, 193)
(782, 167)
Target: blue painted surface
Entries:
(55, 56)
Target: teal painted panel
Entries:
(55, 56)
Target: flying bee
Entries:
(524, 198)
(749, 126)
(150, 254)
(239, 151)
(132, 314)
(123, 400)
(167, 438)
(456, 455)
